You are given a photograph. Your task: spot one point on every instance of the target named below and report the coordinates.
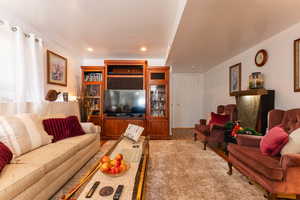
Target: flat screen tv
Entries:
(125, 102)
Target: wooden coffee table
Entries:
(133, 180)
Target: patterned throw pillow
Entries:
(5, 155)
(22, 133)
(61, 128)
(74, 126)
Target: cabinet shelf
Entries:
(92, 97)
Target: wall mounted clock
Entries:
(261, 58)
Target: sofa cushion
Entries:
(16, 178)
(51, 156)
(5, 155)
(293, 145)
(272, 143)
(82, 141)
(252, 157)
(23, 133)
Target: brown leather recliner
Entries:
(278, 175)
(214, 133)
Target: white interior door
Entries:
(187, 94)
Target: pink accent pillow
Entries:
(61, 128)
(219, 119)
(272, 143)
(5, 155)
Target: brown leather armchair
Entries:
(214, 133)
(278, 175)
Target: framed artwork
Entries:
(296, 65)
(57, 67)
(235, 78)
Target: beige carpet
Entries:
(180, 170)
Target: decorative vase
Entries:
(256, 80)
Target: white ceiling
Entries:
(208, 33)
(113, 28)
(212, 31)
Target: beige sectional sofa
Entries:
(39, 174)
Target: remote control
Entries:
(92, 190)
(118, 192)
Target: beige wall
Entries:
(55, 44)
(74, 72)
(278, 72)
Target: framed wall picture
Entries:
(235, 78)
(296, 65)
(57, 67)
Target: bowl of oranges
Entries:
(114, 167)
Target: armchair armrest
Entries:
(290, 160)
(216, 126)
(217, 132)
(202, 121)
(248, 140)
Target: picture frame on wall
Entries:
(57, 68)
(296, 65)
(235, 78)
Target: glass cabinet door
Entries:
(158, 100)
(92, 100)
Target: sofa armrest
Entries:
(89, 127)
(290, 160)
(248, 140)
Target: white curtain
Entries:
(21, 68)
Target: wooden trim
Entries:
(265, 53)
(48, 68)
(296, 66)
(239, 65)
(251, 92)
(125, 62)
(92, 68)
(125, 76)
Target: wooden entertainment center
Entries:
(127, 75)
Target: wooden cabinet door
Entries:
(114, 127)
(158, 128)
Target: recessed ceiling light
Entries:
(90, 49)
(143, 48)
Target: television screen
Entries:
(125, 101)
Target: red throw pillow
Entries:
(74, 126)
(219, 119)
(57, 127)
(5, 155)
(61, 128)
(272, 143)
